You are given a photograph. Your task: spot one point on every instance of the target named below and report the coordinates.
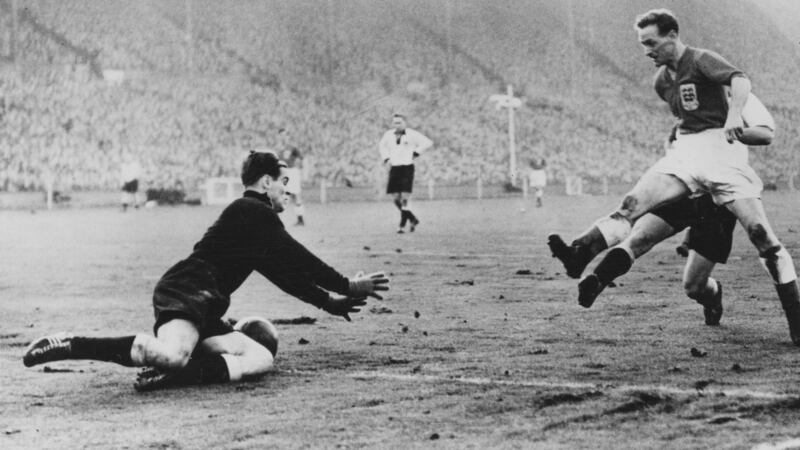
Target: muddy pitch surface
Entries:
(480, 343)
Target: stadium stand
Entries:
(189, 85)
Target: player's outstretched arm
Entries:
(368, 285)
(343, 306)
(758, 135)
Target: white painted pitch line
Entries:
(455, 257)
(785, 445)
(732, 393)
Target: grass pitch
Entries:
(479, 343)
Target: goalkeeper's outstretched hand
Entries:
(343, 306)
(368, 285)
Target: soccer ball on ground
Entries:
(260, 330)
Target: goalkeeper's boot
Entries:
(55, 347)
(588, 290)
(713, 310)
(572, 257)
(152, 379)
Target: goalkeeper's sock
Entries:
(403, 218)
(616, 263)
(411, 216)
(116, 349)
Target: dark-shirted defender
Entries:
(192, 344)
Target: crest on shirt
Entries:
(689, 99)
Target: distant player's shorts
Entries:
(401, 179)
(710, 226)
(706, 162)
(189, 291)
(131, 187)
(293, 186)
(537, 179)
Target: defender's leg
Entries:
(699, 286)
(653, 189)
(646, 233)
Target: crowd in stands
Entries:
(204, 81)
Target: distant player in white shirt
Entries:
(130, 173)
(293, 158)
(537, 178)
(399, 147)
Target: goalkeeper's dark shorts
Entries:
(189, 291)
(710, 226)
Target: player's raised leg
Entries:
(646, 233)
(774, 257)
(652, 190)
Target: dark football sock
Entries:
(616, 263)
(589, 245)
(789, 296)
(790, 300)
(403, 218)
(204, 370)
(411, 216)
(116, 349)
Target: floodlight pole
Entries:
(189, 38)
(14, 32)
(512, 145)
(510, 102)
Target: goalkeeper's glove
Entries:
(366, 285)
(343, 306)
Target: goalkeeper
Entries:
(192, 343)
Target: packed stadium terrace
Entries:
(188, 86)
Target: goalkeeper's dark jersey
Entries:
(250, 236)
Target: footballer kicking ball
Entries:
(260, 330)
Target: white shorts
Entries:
(537, 178)
(706, 162)
(293, 186)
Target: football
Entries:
(260, 330)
